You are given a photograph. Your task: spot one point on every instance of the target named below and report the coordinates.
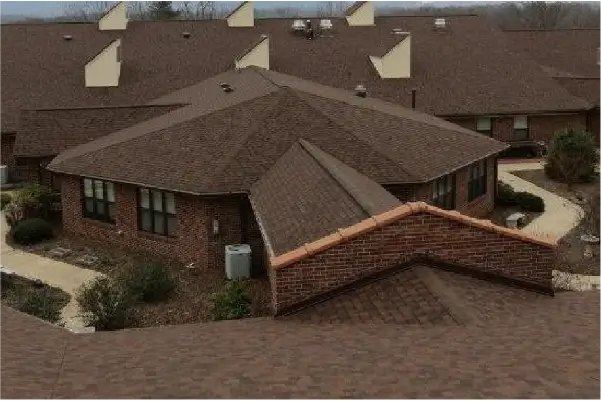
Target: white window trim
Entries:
(520, 122)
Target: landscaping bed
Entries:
(538, 177)
(192, 298)
(500, 214)
(34, 298)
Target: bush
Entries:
(505, 195)
(41, 305)
(572, 156)
(31, 231)
(148, 281)
(13, 214)
(530, 202)
(231, 302)
(35, 201)
(106, 305)
(5, 199)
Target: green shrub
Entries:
(148, 281)
(105, 305)
(31, 231)
(35, 200)
(572, 156)
(530, 202)
(13, 214)
(231, 302)
(41, 304)
(5, 199)
(505, 195)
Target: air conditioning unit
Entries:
(325, 24)
(237, 261)
(440, 23)
(298, 25)
(3, 174)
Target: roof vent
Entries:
(186, 35)
(325, 24)
(360, 91)
(67, 37)
(298, 25)
(399, 31)
(226, 87)
(440, 23)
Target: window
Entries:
(119, 53)
(484, 125)
(443, 192)
(157, 212)
(99, 200)
(520, 128)
(477, 180)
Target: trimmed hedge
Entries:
(31, 231)
(506, 196)
(149, 281)
(5, 199)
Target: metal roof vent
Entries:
(360, 91)
(298, 25)
(399, 31)
(186, 35)
(325, 24)
(440, 23)
(226, 87)
(67, 37)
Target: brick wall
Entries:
(7, 144)
(194, 241)
(398, 243)
(541, 127)
(478, 207)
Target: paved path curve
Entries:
(559, 218)
(52, 272)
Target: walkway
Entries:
(559, 218)
(52, 272)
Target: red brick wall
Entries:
(398, 243)
(194, 242)
(478, 207)
(7, 144)
(541, 127)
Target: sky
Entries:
(55, 8)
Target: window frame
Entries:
(484, 131)
(162, 213)
(477, 184)
(447, 199)
(521, 134)
(104, 215)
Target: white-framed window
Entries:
(156, 212)
(99, 200)
(484, 124)
(520, 127)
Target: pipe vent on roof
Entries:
(226, 87)
(360, 91)
(67, 37)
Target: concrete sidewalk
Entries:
(52, 272)
(560, 215)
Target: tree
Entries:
(198, 10)
(331, 8)
(572, 157)
(161, 10)
(85, 10)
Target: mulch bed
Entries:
(191, 301)
(15, 289)
(570, 248)
(500, 214)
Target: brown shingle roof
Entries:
(242, 133)
(49, 132)
(461, 71)
(308, 194)
(540, 347)
(568, 55)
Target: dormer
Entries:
(396, 62)
(256, 55)
(360, 14)
(105, 68)
(115, 19)
(242, 16)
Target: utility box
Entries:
(237, 261)
(3, 174)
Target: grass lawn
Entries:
(190, 302)
(571, 249)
